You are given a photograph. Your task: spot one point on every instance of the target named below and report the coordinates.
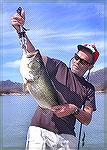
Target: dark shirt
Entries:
(74, 90)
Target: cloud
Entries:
(54, 29)
(74, 35)
(63, 33)
(12, 64)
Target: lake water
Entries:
(16, 113)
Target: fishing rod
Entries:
(80, 130)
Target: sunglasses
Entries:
(82, 61)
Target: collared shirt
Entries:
(73, 89)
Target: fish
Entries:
(37, 81)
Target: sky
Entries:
(55, 29)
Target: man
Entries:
(48, 131)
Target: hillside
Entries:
(98, 79)
(7, 87)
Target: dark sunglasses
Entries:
(82, 61)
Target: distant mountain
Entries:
(7, 87)
(98, 79)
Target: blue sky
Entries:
(55, 29)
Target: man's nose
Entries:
(78, 61)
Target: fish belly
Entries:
(37, 81)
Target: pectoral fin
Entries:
(26, 81)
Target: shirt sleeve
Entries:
(91, 96)
(52, 66)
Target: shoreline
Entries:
(14, 94)
(19, 94)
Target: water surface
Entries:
(17, 111)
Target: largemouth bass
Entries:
(37, 80)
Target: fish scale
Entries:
(39, 85)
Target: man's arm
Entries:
(18, 20)
(84, 116)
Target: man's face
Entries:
(81, 62)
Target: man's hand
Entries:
(63, 110)
(18, 20)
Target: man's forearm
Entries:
(84, 117)
(30, 47)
